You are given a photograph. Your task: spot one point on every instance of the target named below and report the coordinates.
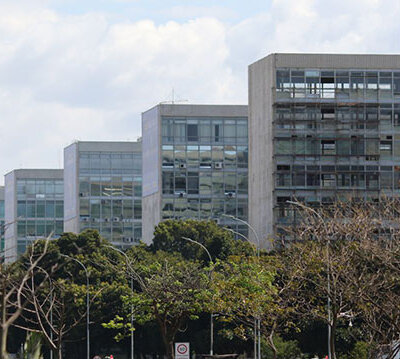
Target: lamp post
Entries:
(87, 304)
(257, 329)
(212, 314)
(132, 333)
(328, 243)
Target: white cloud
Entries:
(88, 76)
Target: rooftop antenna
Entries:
(173, 100)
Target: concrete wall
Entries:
(71, 188)
(334, 61)
(261, 164)
(151, 172)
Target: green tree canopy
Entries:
(168, 237)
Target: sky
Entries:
(86, 69)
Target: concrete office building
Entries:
(195, 164)
(322, 127)
(103, 189)
(33, 208)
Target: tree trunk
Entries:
(271, 342)
(3, 350)
(59, 352)
(332, 341)
(4, 326)
(168, 342)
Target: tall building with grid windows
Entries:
(103, 190)
(322, 127)
(34, 204)
(195, 164)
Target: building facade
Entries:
(34, 204)
(103, 190)
(195, 164)
(322, 127)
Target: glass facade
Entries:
(205, 169)
(110, 190)
(40, 210)
(336, 136)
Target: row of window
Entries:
(333, 168)
(39, 228)
(204, 130)
(110, 186)
(123, 233)
(205, 156)
(340, 113)
(337, 84)
(40, 209)
(126, 161)
(384, 180)
(108, 210)
(205, 183)
(354, 146)
(204, 208)
(33, 187)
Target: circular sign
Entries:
(182, 349)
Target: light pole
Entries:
(87, 304)
(132, 333)
(327, 276)
(212, 314)
(257, 324)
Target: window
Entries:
(328, 180)
(328, 147)
(192, 132)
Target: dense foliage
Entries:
(341, 271)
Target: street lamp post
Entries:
(257, 324)
(87, 304)
(212, 314)
(328, 277)
(132, 333)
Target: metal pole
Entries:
(132, 336)
(87, 304)
(255, 338)
(132, 332)
(51, 319)
(259, 338)
(257, 329)
(329, 301)
(212, 334)
(212, 314)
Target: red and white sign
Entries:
(182, 351)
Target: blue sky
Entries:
(160, 11)
(87, 69)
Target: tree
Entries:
(58, 309)
(342, 264)
(245, 290)
(13, 279)
(219, 241)
(170, 291)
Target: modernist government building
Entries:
(318, 128)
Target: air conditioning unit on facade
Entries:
(85, 219)
(182, 165)
(218, 165)
(116, 219)
(230, 194)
